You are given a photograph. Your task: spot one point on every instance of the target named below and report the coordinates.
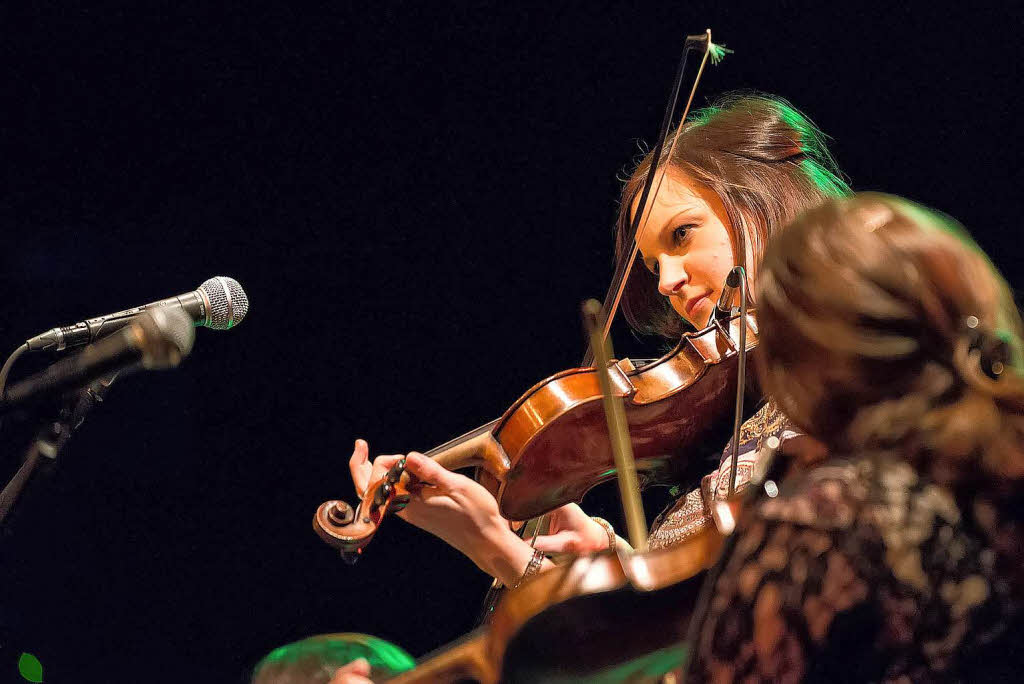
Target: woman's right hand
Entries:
(356, 672)
(570, 530)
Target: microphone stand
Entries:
(52, 437)
(160, 338)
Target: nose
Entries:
(671, 275)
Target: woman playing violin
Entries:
(738, 172)
(887, 334)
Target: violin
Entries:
(611, 617)
(614, 616)
(552, 445)
(548, 448)
(618, 615)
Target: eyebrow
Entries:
(688, 212)
(673, 220)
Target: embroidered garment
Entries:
(850, 577)
(691, 513)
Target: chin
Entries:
(701, 315)
(682, 315)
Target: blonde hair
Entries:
(884, 326)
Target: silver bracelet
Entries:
(609, 530)
(532, 568)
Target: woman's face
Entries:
(687, 244)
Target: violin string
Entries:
(489, 427)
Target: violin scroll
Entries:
(348, 529)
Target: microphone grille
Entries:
(228, 302)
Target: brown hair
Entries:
(885, 327)
(764, 159)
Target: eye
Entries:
(680, 233)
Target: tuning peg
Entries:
(395, 471)
(382, 493)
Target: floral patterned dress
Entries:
(863, 570)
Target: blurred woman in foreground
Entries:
(888, 335)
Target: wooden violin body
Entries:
(622, 617)
(551, 446)
(556, 435)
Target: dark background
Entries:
(416, 200)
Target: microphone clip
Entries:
(724, 309)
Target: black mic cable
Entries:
(6, 370)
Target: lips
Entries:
(692, 304)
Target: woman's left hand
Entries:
(454, 508)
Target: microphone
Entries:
(724, 306)
(219, 303)
(158, 338)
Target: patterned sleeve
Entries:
(691, 513)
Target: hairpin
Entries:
(991, 351)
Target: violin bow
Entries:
(618, 428)
(639, 223)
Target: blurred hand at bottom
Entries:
(356, 672)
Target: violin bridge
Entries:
(619, 378)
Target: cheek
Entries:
(720, 263)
